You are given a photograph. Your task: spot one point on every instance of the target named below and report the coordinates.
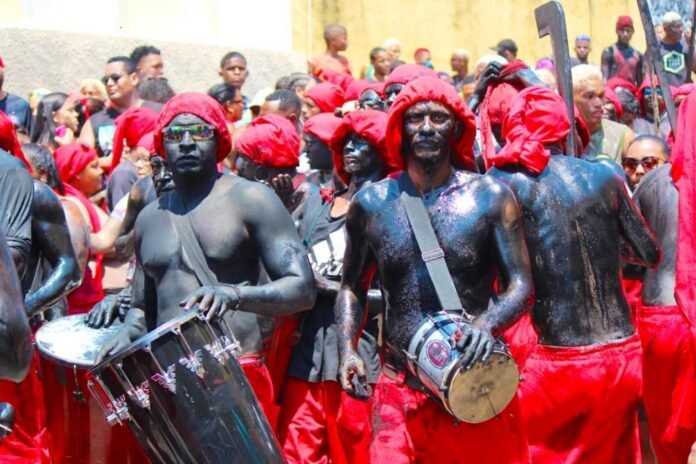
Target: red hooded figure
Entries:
(271, 141)
(368, 124)
(406, 73)
(326, 96)
(322, 126)
(197, 104)
(431, 89)
(131, 126)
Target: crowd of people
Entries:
(295, 199)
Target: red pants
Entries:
(260, 381)
(633, 289)
(669, 381)
(320, 423)
(279, 350)
(29, 441)
(409, 427)
(521, 338)
(580, 403)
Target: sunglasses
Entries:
(648, 91)
(198, 132)
(114, 77)
(648, 163)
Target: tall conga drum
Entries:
(79, 432)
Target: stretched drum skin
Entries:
(183, 393)
(473, 396)
(79, 433)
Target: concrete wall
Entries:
(60, 60)
(443, 25)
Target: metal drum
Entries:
(182, 391)
(475, 395)
(79, 434)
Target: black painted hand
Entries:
(104, 313)
(214, 301)
(489, 76)
(476, 344)
(120, 341)
(283, 187)
(353, 376)
(7, 419)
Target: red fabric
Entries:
(669, 381)
(611, 96)
(624, 21)
(71, 159)
(29, 441)
(9, 141)
(431, 89)
(521, 338)
(683, 170)
(320, 423)
(147, 141)
(633, 289)
(580, 403)
(405, 73)
(616, 82)
(408, 427)
(581, 130)
(2, 64)
(131, 126)
(646, 85)
(356, 89)
(684, 90)
(260, 381)
(201, 105)
(270, 141)
(322, 126)
(278, 350)
(537, 117)
(368, 124)
(341, 79)
(326, 96)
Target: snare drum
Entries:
(182, 391)
(79, 434)
(475, 395)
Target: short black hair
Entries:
(658, 140)
(297, 79)
(629, 102)
(288, 100)
(142, 51)
(127, 63)
(156, 89)
(42, 160)
(223, 92)
(231, 55)
(375, 51)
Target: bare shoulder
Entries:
(481, 183)
(377, 195)
(44, 197)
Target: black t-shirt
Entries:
(103, 127)
(674, 61)
(18, 110)
(16, 196)
(120, 182)
(315, 356)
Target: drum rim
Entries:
(51, 356)
(147, 339)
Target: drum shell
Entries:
(212, 418)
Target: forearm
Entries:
(134, 323)
(64, 278)
(349, 317)
(511, 305)
(15, 338)
(287, 295)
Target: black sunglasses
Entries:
(113, 76)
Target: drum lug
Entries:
(222, 348)
(140, 395)
(167, 379)
(194, 364)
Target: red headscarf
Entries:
(8, 139)
(615, 82)
(537, 117)
(684, 173)
(326, 96)
(356, 89)
(646, 85)
(322, 126)
(610, 95)
(147, 141)
(368, 124)
(431, 89)
(497, 103)
(582, 130)
(405, 73)
(131, 126)
(271, 141)
(201, 105)
(341, 79)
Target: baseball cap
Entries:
(505, 44)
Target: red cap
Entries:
(131, 126)
(356, 89)
(615, 82)
(72, 158)
(322, 126)
(611, 96)
(270, 141)
(405, 73)
(368, 124)
(431, 89)
(624, 21)
(201, 105)
(326, 96)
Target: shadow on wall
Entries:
(58, 61)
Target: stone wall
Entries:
(58, 61)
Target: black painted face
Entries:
(161, 175)
(391, 92)
(370, 100)
(195, 150)
(429, 131)
(318, 153)
(360, 157)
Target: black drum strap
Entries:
(432, 254)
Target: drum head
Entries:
(484, 391)
(70, 341)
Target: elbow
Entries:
(654, 258)
(308, 296)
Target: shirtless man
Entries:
(239, 226)
(429, 133)
(582, 382)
